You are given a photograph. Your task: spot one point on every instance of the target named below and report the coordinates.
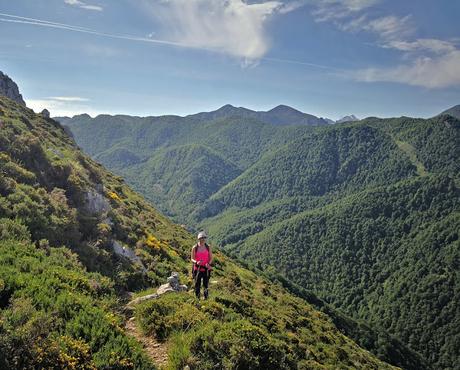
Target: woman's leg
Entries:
(198, 277)
(206, 276)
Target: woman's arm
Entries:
(210, 255)
(192, 257)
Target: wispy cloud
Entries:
(431, 72)
(232, 27)
(430, 63)
(68, 98)
(83, 5)
(291, 6)
(426, 62)
(388, 28)
(63, 105)
(433, 45)
(326, 10)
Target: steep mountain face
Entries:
(9, 89)
(60, 305)
(454, 111)
(359, 201)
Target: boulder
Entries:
(45, 113)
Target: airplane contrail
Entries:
(11, 18)
(68, 27)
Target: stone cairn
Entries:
(173, 285)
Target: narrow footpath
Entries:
(158, 352)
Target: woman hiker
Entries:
(201, 259)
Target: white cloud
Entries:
(68, 98)
(388, 28)
(291, 6)
(433, 45)
(63, 106)
(233, 27)
(432, 72)
(427, 62)
(83, 5)
(326, 10)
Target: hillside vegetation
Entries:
(364, 214)
(75, 239)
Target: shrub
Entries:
(168, 313)
(10, 229)
(238, 345)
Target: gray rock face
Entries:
(45, 113)
(127, 253)
(9, 89)
(351, 118)
(96, 203)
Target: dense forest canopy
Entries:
(364, 214)
(75, 239)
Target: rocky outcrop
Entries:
(45, 113)
(128, 253)
(173, 285)
(9, 89)
(96, 203)
(350, 118)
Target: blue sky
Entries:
(152, 57)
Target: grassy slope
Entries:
(45, 181)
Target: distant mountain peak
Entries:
(283, 108)
(82, 116)
(227, 106)
(350, 118)
(9, 89)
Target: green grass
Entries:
(412, 154)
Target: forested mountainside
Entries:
(370, 224)
(364, 214)
(454, 111)
(143, 151)
(75, 239)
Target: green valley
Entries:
(364, 214)
(76, 242)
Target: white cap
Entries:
(201, 235)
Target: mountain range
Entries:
(363, 214)
(76, 243)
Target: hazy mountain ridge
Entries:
(454, 111)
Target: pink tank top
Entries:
(202, 256)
